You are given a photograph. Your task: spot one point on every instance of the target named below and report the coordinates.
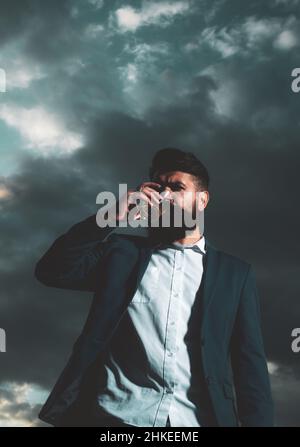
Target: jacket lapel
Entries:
(211, 267)
(144, 258)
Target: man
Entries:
(173, 335)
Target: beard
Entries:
(170, 233)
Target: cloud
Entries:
(145, 54)
(5, 193)
(93, 30)
(20, 403)
(250, 36)
(273, 368)
(152, 13)
(20, 69)
(20, 75)
(42, 131)
(286, 391)
(286, 40)
(144, 65)
(129, 74)
(98, 4)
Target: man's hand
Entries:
(147, 191)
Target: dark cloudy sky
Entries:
(93, 89)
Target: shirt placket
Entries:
(170, 348)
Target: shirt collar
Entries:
(198, 246)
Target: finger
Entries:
(132, 198)
(152, 193)
(143, 195)
(151, 184)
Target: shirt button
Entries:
(170, 353)
(169, 391)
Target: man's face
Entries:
(183, 188)
(185, 193)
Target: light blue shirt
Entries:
(148, 364)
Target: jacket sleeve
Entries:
(249, 366)
(73, 259)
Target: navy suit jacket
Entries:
(235, 374)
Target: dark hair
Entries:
(172, 159)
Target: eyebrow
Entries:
(176, 183)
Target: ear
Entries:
(202, 200)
